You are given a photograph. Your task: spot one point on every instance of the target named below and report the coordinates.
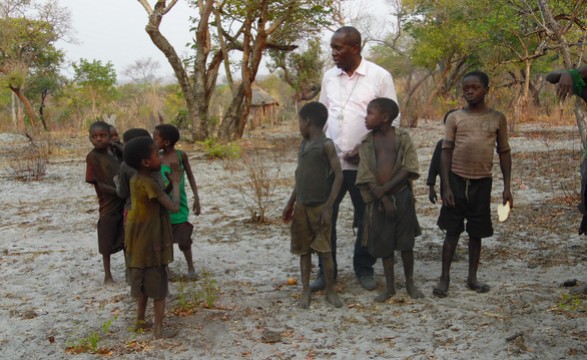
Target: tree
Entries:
(302, 71)
(145, 85)
(97, 82)
(221, 28)
(28, 32)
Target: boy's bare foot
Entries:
(193, 275)
(159, 333)
(385, 295)
(580, 290)
(108, 280)
(333, 300)
(477, 286)
(305, 299)
(413, 291)
(143, 326)
(441, 290)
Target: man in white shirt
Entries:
(346, 91)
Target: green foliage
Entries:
(94, 75)
(194, 295)
(90, 343)
(572, 303)
(301, 70)
(216, 149)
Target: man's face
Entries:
(343, 53)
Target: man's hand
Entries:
(565, 85)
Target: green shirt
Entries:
(182, 215)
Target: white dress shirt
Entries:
(346, 99)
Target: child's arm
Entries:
(334, 162)
(396, 181)
(433, 172)
(192, 180)
(505, 162)
(289, 207)
(448, 198)
(106, 189)
(172, 204)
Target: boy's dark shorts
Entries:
(182, 235)
(110, 233)
(472, 203)
(150, 282)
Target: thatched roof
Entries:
(261, 97)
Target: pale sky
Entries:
(114, 30)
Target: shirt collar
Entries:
(361, 69)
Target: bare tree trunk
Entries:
(28, 108)
(155, 16)
(13, 108)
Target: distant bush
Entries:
(215, 149)
(29, 163)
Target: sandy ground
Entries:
(54, 304)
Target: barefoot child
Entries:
(148, 237)
(101, 167)
(125, 172)
(388, 165)
(434, 172)
(471, 136)
(165, 137)
(312, 199)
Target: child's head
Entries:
(312, 114)
(113, 134)
(381, 112)
(142, 153)
(475, 87)
(165, 135)
(100, 135)
(134, 133)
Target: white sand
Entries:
(53, 295)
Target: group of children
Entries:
(145, 195)
(387, 168)
(143, 209)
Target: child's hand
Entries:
(175, 174)
(389, 207)
(378, 192)
(325, 215)
(432, 195)
(196, 206)
(448, 197)
(353, 156)
(287, 213)
(583, 226)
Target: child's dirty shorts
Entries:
(307, 234)
(150, 282)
